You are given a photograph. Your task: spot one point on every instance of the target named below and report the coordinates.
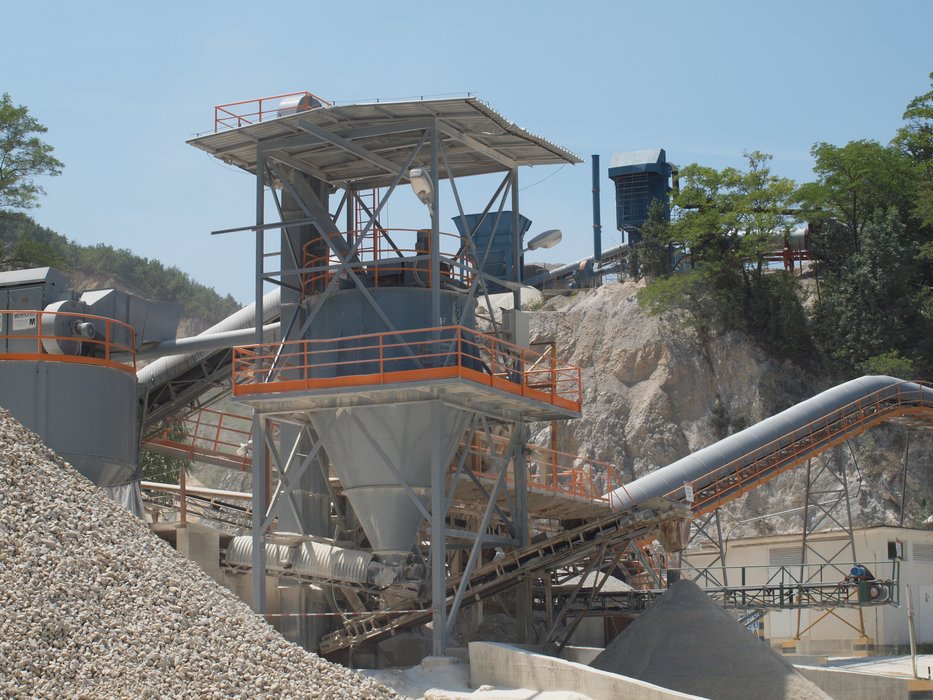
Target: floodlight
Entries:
(421, 184)
(548, 239)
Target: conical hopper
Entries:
(361, 440)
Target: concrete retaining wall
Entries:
(508, 666)
(864, 686)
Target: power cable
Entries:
(522, 189)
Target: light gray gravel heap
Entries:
(92, 605)
(686, 642)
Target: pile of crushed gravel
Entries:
(686, 642)
(92, 605)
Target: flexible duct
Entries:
(313, 559)
(768, 436)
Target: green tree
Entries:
(855, 181)
(729, 221)
(23, 156)
(651, 256)
(871, 309)
(915, 140)
(872, 209)
(162, 468)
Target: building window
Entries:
(785, 556)
(922, 551)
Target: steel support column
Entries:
(258, 573)
(438, 542)
(435, 232)
(523, 594)
(259, 462)
(516, 241)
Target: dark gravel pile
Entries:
(686, 642)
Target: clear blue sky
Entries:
(122, 85)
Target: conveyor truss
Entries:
(589, 543)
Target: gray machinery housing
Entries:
(641, 177)
(56, 379)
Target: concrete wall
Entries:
(508, 666)
(863, 686)
(201, 545)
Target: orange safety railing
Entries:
(208, 433)
(233, 115)
(549, 470)
(24, 335)
(404, 356)
(390, 257)
(792, 449)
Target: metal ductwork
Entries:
(165, 369)
(314, 560)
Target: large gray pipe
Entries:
(200, 343)
(165, 369)
(768, 436)
(572, 268)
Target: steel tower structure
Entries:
(382, 394)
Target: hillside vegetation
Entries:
(25, 244)
(869, 219)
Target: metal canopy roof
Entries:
(365, 145)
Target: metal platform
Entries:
(456, 391)
(543, 502)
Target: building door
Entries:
(924, 615)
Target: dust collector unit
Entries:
(640, 178)
(67, 371)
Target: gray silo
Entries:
(67, 370)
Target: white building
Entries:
(761, 559)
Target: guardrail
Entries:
(226, 439)
(764, 588)
(806, 585)
(207, 435)
(405, 356)
(99, 340)
(390, 257)
(233, 115)
(549, 470)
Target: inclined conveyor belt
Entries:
(741, 462)
(507, 571)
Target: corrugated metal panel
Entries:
(311, 559)
(328, 562)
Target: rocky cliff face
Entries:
(655, 391)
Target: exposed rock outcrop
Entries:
(656, 390)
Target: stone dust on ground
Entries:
(452, 682)
(686, 642)
(93, 605)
